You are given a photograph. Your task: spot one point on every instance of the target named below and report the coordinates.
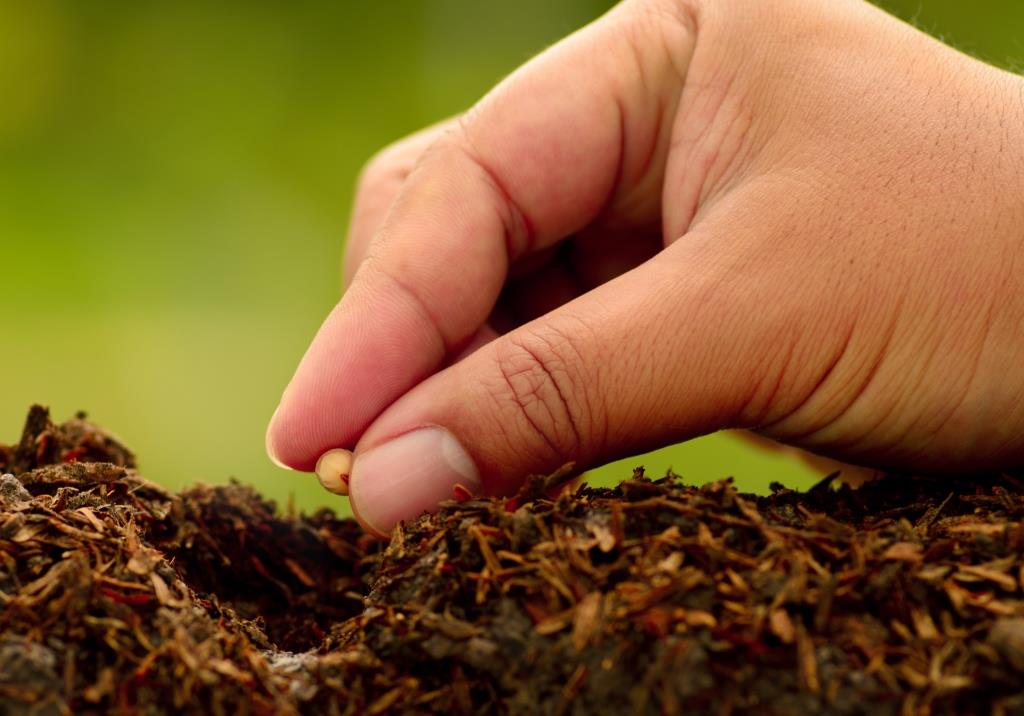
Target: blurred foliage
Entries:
(174, 187)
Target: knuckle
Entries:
(380, 169)
(540, 388)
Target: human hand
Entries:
(800, 217)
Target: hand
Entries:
(800, 217)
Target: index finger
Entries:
(380, 183)
(536, 160)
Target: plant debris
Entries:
(901, 597)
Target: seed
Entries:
(333, 469)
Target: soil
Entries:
(901, 597)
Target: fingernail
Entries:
(409, 475)
(269, 443)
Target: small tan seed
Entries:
(333, 469)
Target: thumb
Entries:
(654, 356)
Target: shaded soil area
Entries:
(902, 597)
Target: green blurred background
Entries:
(175, 179)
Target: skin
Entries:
(799, 217)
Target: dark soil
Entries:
(902, 597)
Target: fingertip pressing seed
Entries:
(333, 469)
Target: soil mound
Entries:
(901, 597)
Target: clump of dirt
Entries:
(904, 596)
